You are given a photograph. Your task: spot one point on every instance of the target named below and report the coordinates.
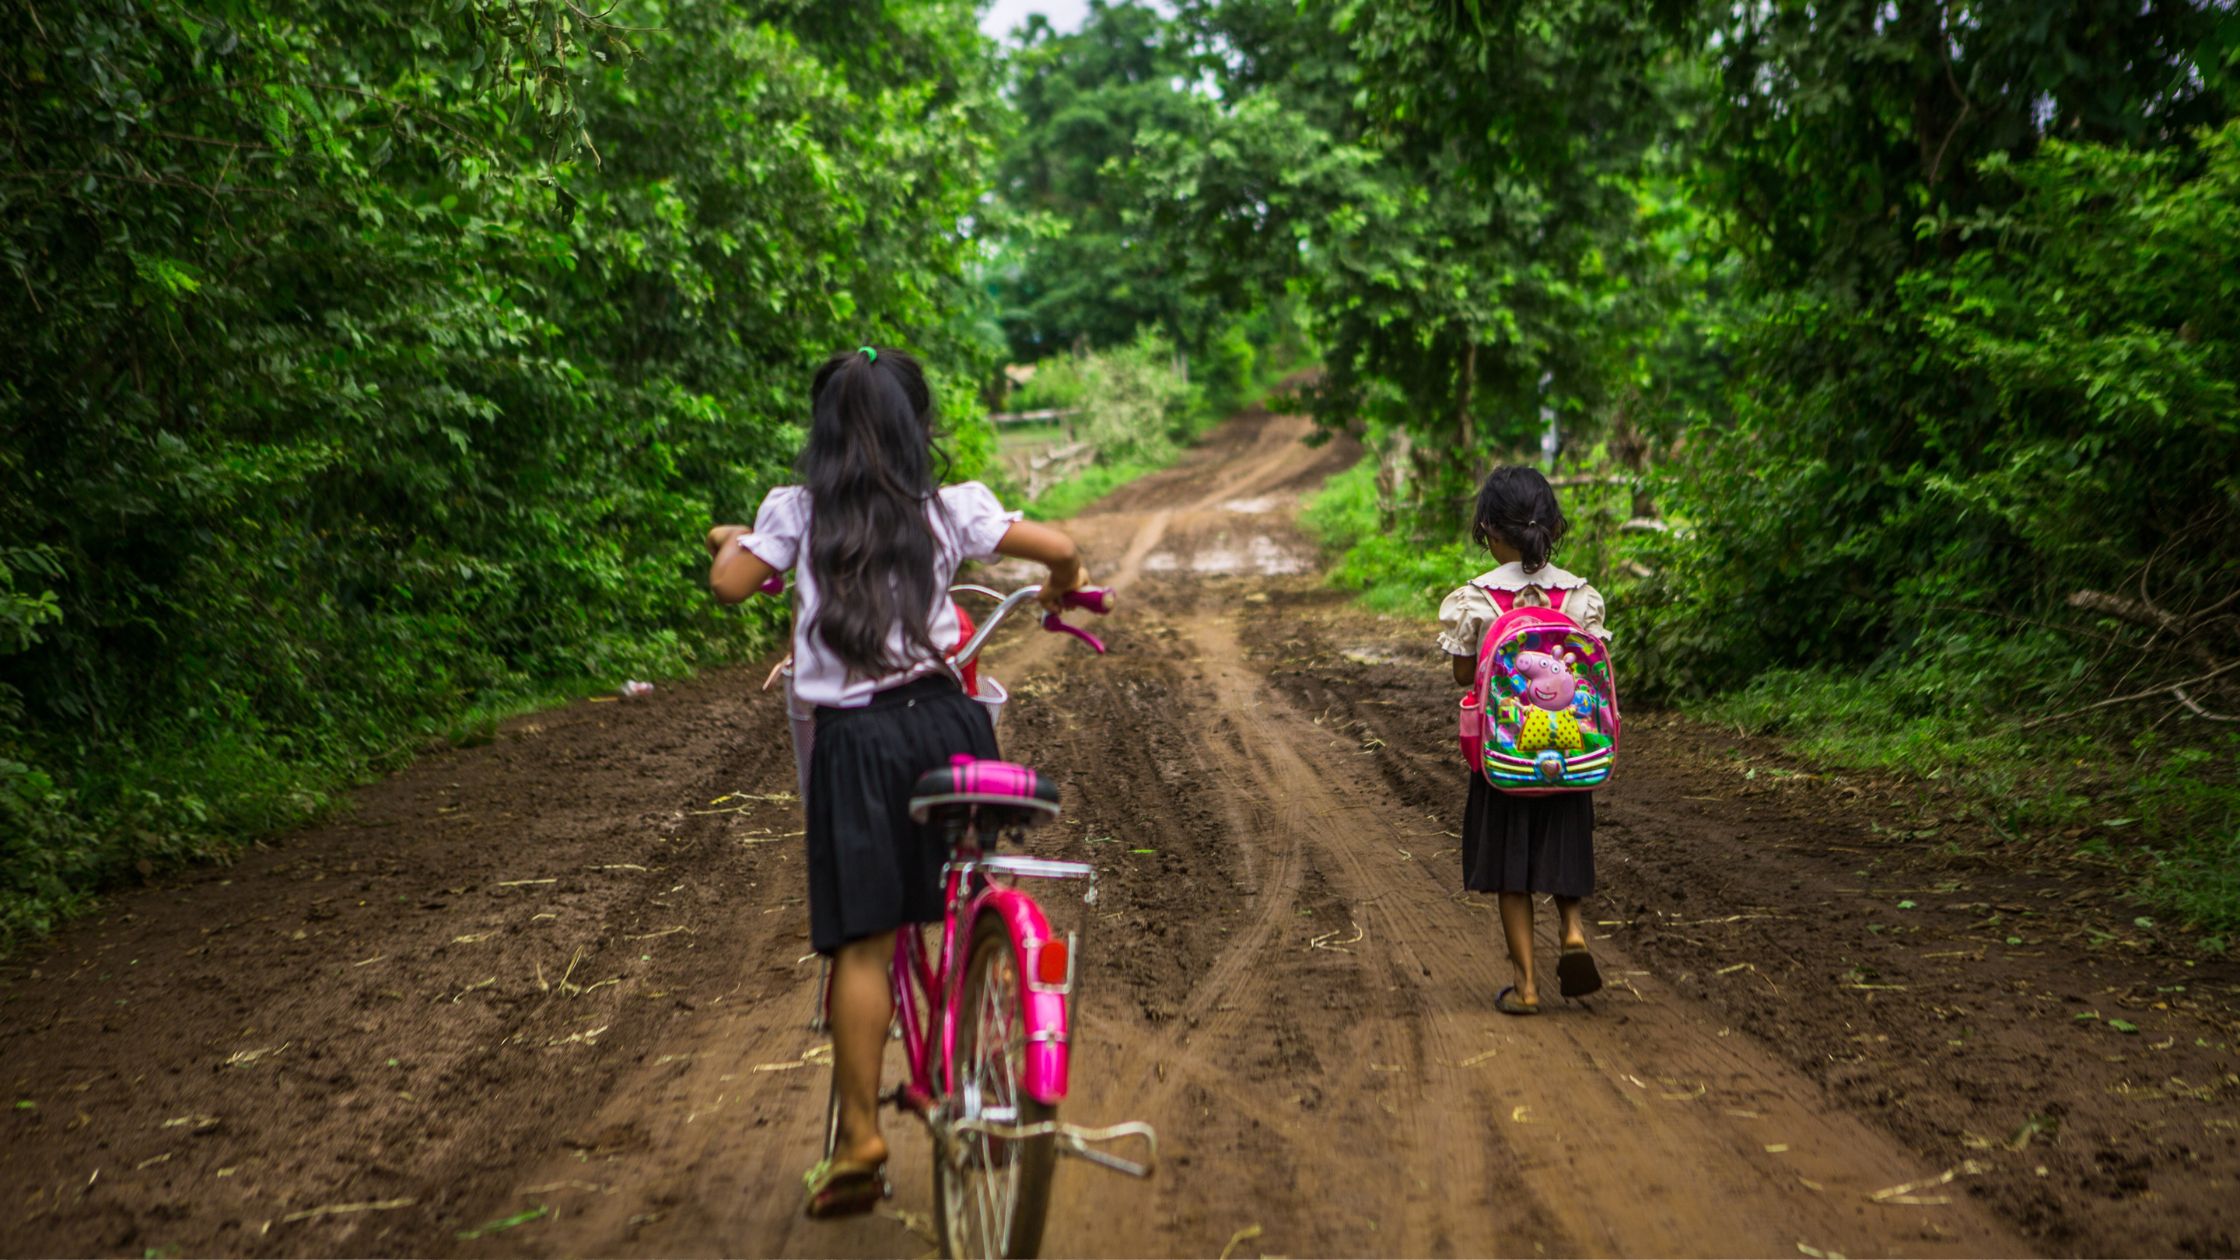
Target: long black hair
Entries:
(1517, 506)
(870, 469)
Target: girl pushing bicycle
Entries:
(875, 541)
(1516, 844)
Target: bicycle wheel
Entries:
(994, 1204)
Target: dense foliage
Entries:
(1081, 265)
(1903, 330)
(372, 366)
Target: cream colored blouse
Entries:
(1468, 611)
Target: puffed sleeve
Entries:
(1585, 606)
(977, 519)
(779, 527)
(1463, 618)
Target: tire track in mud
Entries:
(1497, 1136)
(1286, 982)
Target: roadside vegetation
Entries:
(1888, 359)
(1132, 410)
(372, 372)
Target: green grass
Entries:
(1389, 574)
(1067, 498)
(2165, 809)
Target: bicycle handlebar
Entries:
(1098, 600)
(1095, 599)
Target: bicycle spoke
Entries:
(995, 1193)
(990, 1017)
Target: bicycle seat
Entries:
(1005, 793)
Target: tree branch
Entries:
(2137, 612)
(2167, 689)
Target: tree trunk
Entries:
(1464, 429)
(1393, 465)
(1631, 450)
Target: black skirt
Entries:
(1527, 844)
(871, 869)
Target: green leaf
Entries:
(504, 1223)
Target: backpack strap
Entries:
(1506, 601)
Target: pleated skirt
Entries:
(871, 869)
(1528, 844)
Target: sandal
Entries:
(843, 1187)
(1508, 1003)
(1576, 974)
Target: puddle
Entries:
(1260, 556)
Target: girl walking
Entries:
(1518, 846)
(874, 542)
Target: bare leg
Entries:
(1574, 924)
(1516, 925)
(862, 1010)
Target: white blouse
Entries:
(969, 530)
(1468, 611)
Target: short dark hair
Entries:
(1517, 506)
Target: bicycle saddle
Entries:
(1007, 793)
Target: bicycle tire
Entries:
(995, 1208)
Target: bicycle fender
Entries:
(1047, 1031)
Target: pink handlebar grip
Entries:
(775, 584)
(1096, 599)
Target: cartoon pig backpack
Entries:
(1543, 716)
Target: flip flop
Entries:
(1508, 1003)
(843, 1187)
(1576, 974)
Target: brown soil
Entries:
(548, 996)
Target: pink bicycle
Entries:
(984, 1016)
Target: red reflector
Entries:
(1050, 963)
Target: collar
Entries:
(1512, 577)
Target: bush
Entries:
(341, 408)
(1392, 573)
(2051, 409)
(1133, 405)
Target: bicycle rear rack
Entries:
(1072, 1139)
(1023, 867)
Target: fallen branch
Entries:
(2166, 689)
(2138, 612)
(2188, 701)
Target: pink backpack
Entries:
(1543, 715)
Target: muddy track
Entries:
(549, 996)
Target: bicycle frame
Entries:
(929, 987)
(929, 1044)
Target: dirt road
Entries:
(550, 995)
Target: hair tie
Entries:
(869, 353)
(1534, 521)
